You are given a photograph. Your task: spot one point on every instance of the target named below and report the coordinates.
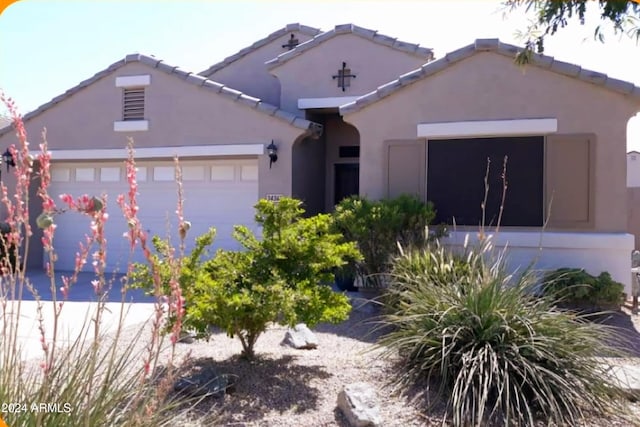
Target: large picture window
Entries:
(455, 180)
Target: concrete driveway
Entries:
(76, 313)
(74, 321)
(82, 291)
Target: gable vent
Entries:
(133, 104)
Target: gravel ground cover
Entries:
(288, 387)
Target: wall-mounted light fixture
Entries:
(272, 151)
(7, 159)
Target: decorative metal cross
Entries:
(292, 43)
(344, 77)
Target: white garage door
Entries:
(218, 193)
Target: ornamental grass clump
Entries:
(496, 351)
(99, 376)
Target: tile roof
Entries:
(189, 77)
(310, 31)
(492, 45)
(414, 49)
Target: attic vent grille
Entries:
(133, 104)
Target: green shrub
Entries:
(189, 270)
(379, 226)
(189, 265)
(283, 277)
(495, 349)
(577, 288)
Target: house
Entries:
(352, 111)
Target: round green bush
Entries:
(576, 288)
(378, 226)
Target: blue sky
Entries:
(48, 46)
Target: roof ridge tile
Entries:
(188, 77)
(410, 48)
(493, 45)
(310, 31)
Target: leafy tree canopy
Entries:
(552, 15)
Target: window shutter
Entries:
(570, 165)
(133, 104)
(405, 167)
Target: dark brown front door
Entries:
(347, 182)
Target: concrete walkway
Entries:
(625, 375)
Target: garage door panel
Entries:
(73, 228)
(209, 201)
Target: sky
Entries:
(48, 46)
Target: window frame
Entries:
(473, 215)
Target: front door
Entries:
(347, 181)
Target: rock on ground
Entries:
(300, 337)
(359, 405)
(204, 380)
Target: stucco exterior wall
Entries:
(179, 114)
(633, 169)
(309, 75)
(594, 252)
(488, 86)
(633, 208)
(249, 74)
(308, 174)
(338, 133)
(314, 162)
